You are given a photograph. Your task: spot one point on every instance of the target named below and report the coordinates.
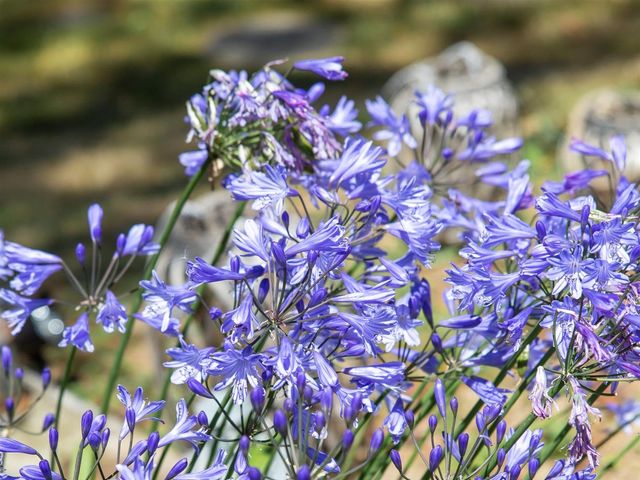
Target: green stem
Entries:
(64, 383)
(498, 379)
(215, 259)
(612, 434)
(164, 237)
(611, 464)
(63, 386)
(522, 428)
(427, 434)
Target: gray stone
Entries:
(595, 118)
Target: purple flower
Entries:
(216, 471)
(618, 155)
(265, 189)
(328, 237)
(8, 445)
(357, 157)
(396, 130)
(573, 181)
(183, 430)
(327, 375)
(161, 300)
(139, 241)
(540, 400)
(487, 391)
(565, 470)
(17, 254)
(568, 269)
(19, 308)
(433, 104)
(188, 361)
(417, 228)
(626, 413)
(344, 119)
(238, 369)
(140, 407)
(241, 321)
(388, 375)
(33, 267)
(329, 68)
(30, 277)
(252, 240)
(31, 472)
(140, 470)
(526, 447)
(112, 314)
(193, 161)
(489, 147)
(581, 445)
(78, 335)
(550, 204)
(200, 271)
(461, 321)
(396, 422)
(505, 229)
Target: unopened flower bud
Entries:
(347, 439)
(46, 377)
(263, 289)
(409, 417)
(440, 398)
(434, 458)
(463, 442)
(121, 241)
(198, 388)
(280, 422)
(453, 403)
(81, 253)
(49, 418)
(534, 464)
(130, 417)
(53, 439)
(501, 430)
(257, 397)
(177, 469)
(203, 419)
(85, 423)
(215, 313)
(254, 473)
(302, 230)
(7, 359)
(303, 473)
(394, 455)
(106, 433)
(244, 444)
(45, 469)
(9, 405)
(376, 440)
(433, 423)
(152, 442)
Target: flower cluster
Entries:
(26, 269)
(332, 332)
(130, 465)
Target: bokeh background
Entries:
(92, 93)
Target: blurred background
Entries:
(92, 93)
